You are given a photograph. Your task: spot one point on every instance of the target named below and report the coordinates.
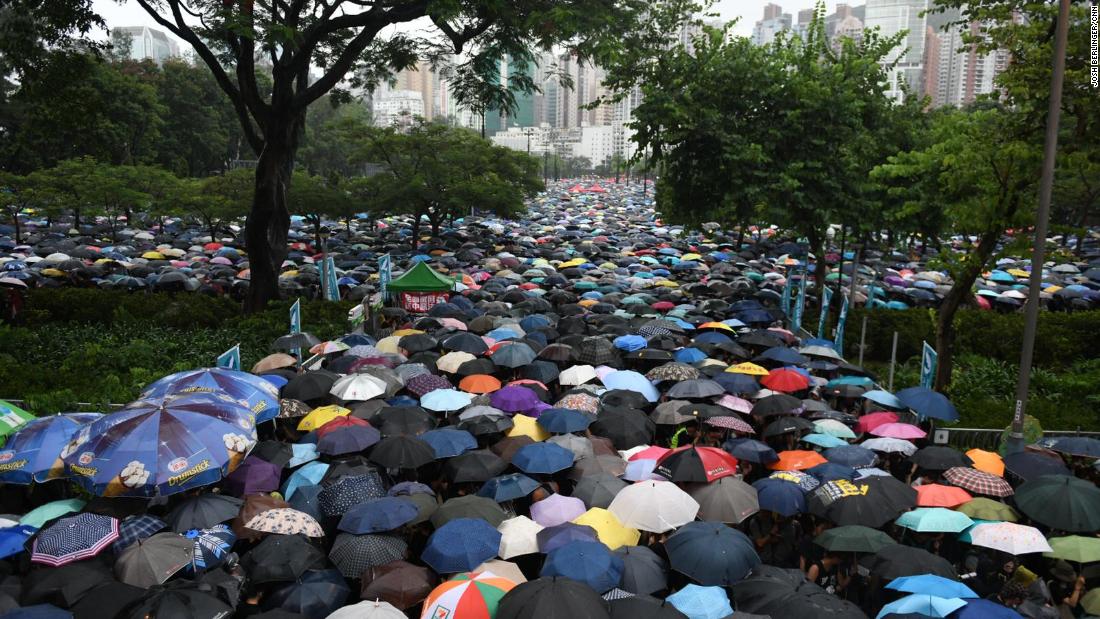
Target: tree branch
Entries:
(183, 31)
(460, 39)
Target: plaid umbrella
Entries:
(136, 528)
(349, 490)
(211, 546)
(74, 538)
(596, 350)
(355, 554)
(978, 482)
(672, 371)
(285, 521)
(730, 423)
(427, 383)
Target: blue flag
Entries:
(928, 359)
(332, 287)
(838, 341)
(800, 304)
(385, 273)
(230, 359)
(296, 324)
(785, 303)
(823, 318)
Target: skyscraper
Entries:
(892, 17)
(145, 42)
(774, 22)
(955, 73)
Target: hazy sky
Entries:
(128, 13)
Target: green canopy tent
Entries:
(421, 288)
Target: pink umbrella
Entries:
(870, 421)
(730, 423)
(906, 431)
(557, 509)
(734, 403)
(453, 323)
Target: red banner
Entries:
(421, 302)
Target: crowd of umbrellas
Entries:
(585, 431)
(588, 221)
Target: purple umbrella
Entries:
(551, 538)
(894, 280)
(427, 383)
(514, 399)
(557, 509)
(254, 475)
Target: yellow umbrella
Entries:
(587, 302)
(667, 284)
(288, 273)
(1052, 289)
(715, 325)
(575, 262)
(404, 332)
(748, 368)
(153, 255)
(389, 344)
(1018, 273)
(609, 529)
(52, 272)
(320, 416)
(691, 256)
(528, 426)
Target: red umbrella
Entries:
(340, 422)
(663, 306)
(870, 421)
(938, 495)
(785, 380)
(700, 464)
(653, 452)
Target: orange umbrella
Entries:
(987, 461)
(797, 460)
(479, 383)
(938, 495)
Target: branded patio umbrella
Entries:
(259, 396)
(12, 418)
(31, 453)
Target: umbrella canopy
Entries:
(726, 499)
(1060, 502)
(922, 604)
(30, 454)
(1076, 548)
(257, 395)
(552, 598)
(698, 602)
(988, 509)
(711, 553)
(203, 511)
(978, 482)
(609, 529)
(152, 561)
(473, 595)
(461, 545)
(696, 464)
(870, 502)
(654, 506)
(644, 571)
(935, 520)
(938, 495)
(588, 562)
(1009, 537)
(558, 509)
(74, 538)
(318, 593)
(853, 538)
(899, 560)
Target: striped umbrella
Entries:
(470, 596)
(74, 538)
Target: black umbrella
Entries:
(553, 597)
(402, 452)
(417, 342)
(542, 371)
(939, 458)
(465, 342)
(469, 506)
(318, 593)
(513, 355)
(474, 466)
(596, 350)
(768, 587)
(482, 425)
(625, 429)
(870, 502)
(623, 398)
(643, 606)
(66, 585)
(295, 340)
(711, 553)
(477, 366)
(644, 571)
(787, 425)
(1029, 465)
(1061, 502)
(900, 560)
(696, 389)
(107, 600)
(181, 600)
(312, 385)
(777, 404)
(275, 452)
(203, 511)
(598, 490)
(281, 558)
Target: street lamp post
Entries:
(1038, 253)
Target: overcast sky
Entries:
(128, 13)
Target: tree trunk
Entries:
(269, 220)
(76, 218)
(414, 238)
(817, 246)
(18, 227)
(960, 290)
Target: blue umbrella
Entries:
(630, 342)
(161, 446)
(823, 440)
(884, 398)
(136, 528)
(984, 609)
(831, 471)
(689, 355)
(309, 475)
(12, 539)
(449, 442)
(779, 496)
(257, 395)
(302, 453)
(813, 341)
(850, 455)
(859, 381)
(737, 383)
(702, 602)
(378, 515)
(922, 604)
(750, 450)
(212, 546)
(461, 545)
(928, 403)
(442, 400)
(563, 420)
(317, 593)
(711, 553)
(542, 458)
(307, 499)
(557, 536)
(508, 487)
(784, 355)
(38, 611)
(31, 453)
(348, 439)
(588, 562)
(630, 380)
(932, 584)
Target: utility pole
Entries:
(1038, 254)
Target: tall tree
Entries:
(200, 134)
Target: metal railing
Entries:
(989, 439)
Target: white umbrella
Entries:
(890, 445)
(450, 361)
(368, 609)
(655, 506)
(577, 375)
(358, 387)
(1015, 539)
(517, 537)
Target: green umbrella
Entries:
(12, 418)
(1060, 502)
(54, 509)
(1091, 602)
(988, 509)
(853, 538)
(1075, 548)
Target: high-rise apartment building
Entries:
(145, 42)
(955, 73)
(892, 17)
